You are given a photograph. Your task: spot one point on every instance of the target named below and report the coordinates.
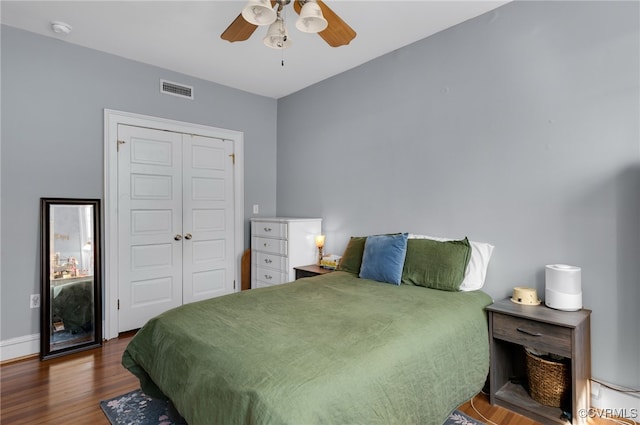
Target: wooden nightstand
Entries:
(310, 271)
(566, 333)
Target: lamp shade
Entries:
(259, 12)
(311, 19)
(277, 36)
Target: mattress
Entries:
(332, 349)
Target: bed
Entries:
(332, 349)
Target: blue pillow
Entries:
(383, 258)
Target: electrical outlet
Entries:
(34, 301)
(256, 209)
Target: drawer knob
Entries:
(265, 244)
(268, 277)
(530, 333)
(267, 229)
(268, 261)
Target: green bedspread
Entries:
(332, 349)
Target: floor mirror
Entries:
(71, 313)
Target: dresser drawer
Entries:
(272, 261)
(272, 246)
(534, 334)
(269, 277)
(269, 229)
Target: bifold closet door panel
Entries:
(208, 223)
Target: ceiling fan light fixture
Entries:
(259, 12)
(277, 36)
(311, 19)
(316, 17)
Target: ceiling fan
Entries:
(315, 17)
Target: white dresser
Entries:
(278, 245)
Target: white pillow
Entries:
(476, 270)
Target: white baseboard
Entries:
(615, 403)
(19, 347)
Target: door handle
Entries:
(188, 236)
(177, 237)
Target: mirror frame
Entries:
(46, 319)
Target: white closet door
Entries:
(208, 218)
(149, 224)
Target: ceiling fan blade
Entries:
(239, 30)
(337, 33)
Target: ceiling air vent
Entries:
(175, 89)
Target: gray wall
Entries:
(519, 128)
(53, 97)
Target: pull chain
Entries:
(282, 54)
(284, 40)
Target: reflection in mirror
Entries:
(71, 308)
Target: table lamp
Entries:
(320, 245)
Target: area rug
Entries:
(137, 408)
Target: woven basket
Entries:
(549, 381)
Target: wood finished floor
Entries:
(68, 390)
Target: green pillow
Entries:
(352, 257)
(436, 264)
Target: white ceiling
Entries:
(184, 36)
